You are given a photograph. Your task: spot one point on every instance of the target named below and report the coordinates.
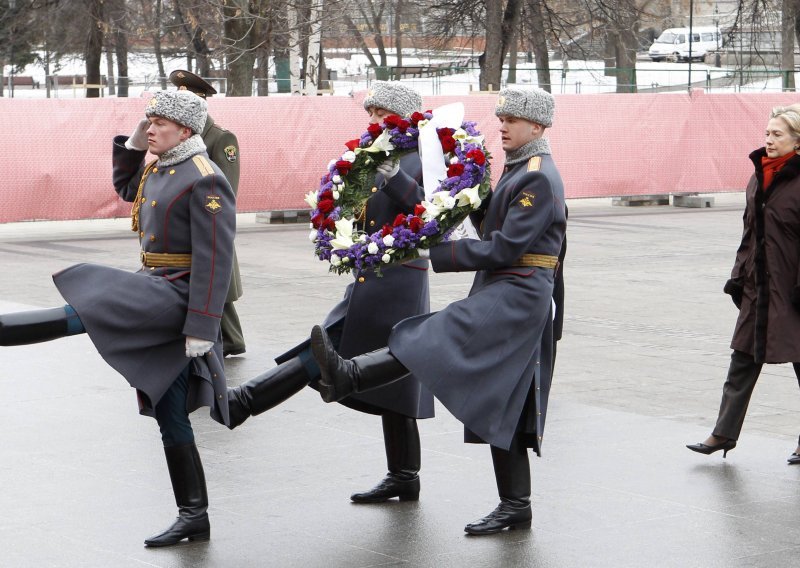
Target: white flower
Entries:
(350, 156)
(336, 179)
(381, 144)
(460, 134)
(388, 240)
(344, 235)
(372, 248)
(311, 199)
(335, 260)
(422, 123)
(443, 200)
(431, 211)
(336, 195)
(312, 236)
(454, 160)
(362, 238)
(386, 258)
(331, 164)
(469, 197)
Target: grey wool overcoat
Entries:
(373, 304)
(138, 321)
(484, 355)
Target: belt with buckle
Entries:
(537, 260)
(161, 259)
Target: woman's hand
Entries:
(735, 289)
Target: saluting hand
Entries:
(138, 140)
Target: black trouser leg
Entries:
(736, 392)
(266, 390)
(513, 476)
(403, 456)
(36, 326)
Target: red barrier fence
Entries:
(56, 154)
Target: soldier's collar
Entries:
(190, 147)
(526, 151)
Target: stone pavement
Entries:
(639, 375)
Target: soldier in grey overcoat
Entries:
(159, 326)
(487, 357)
(363, 319)
(765, 279)
(222, 147)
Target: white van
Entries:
(673, 43)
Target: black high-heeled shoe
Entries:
(793, 459)
(702, 448)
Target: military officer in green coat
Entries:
(223, 149)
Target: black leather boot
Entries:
(189, 487)
(342, 377)
(513, 475)
(401, 437)
(35, 326)
(266, 390)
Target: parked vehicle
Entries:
(673, 43)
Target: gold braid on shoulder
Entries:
(137, 203)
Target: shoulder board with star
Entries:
(535, 164)
(203, 165)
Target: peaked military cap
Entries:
(188, 81)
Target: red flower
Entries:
(317, 220)
(326, 205)
(352, 144)
(386, 230)
(327, 194)
(419, 209)
(477, 156)
(392, 121)
(455, 170)
(399, 220)
(415, 224)
(416, 117)
(343, 166)
(329, 224)
(444, 133)
(448, 144)
(374, 130)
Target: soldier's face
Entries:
(516, 132)
(164, 134)
(377, 114)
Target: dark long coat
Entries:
(372, 305)
(223, 149)
(138, 320)
(484, 355)
(768, 266)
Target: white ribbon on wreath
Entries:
(434, 169)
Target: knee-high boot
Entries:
(513, 476)
(266, 390)
(36, 326)
(342, 377)
(401, 438)
(189, 487)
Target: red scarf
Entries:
(771, 166)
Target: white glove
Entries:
(138, 140)
(389, 169)
(197, 347)
(424, 253)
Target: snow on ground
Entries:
(354, 74)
